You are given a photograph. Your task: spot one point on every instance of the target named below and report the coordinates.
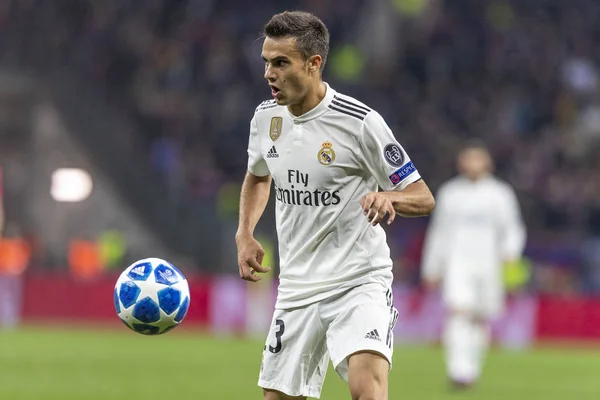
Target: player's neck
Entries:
(313, 97)
(477, 178)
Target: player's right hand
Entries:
(250, 256)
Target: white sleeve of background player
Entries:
(256, 163)
(513, 229)
(433, 263)
(384, 157)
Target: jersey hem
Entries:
(291, 304)
(284, 304)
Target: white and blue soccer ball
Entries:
(152, 296)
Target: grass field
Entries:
(42, 364)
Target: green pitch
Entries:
(43, 364)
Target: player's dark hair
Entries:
(311, 34)
(475, 144)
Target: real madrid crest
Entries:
(326, 155)
(275, 131)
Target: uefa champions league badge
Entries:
(326, 155)
(393, 155)
(275, 129)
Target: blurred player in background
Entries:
(326, 154)
(475, 231)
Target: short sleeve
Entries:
(256, 163)
(384, 157)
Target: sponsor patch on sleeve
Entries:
(402, 173)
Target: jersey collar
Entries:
(319, 110)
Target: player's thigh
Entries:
(364, 322)
(491, 297)
(295, 354)
(460, 291)
(368, 375)
(276, 395)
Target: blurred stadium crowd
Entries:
(520, 74)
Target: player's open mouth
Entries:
(275, 91)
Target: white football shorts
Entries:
(302, 340)
(475, 292)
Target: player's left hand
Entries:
(376, 205)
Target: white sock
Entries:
(461, 348)
(481, 341)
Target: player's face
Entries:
(474, 163)
(286, 70)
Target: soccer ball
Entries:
(151, 296)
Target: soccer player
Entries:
(476, 229)
(326, 154)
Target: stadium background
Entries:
(123, 130)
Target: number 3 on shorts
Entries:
(278, 334)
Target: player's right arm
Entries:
(433, 267)
(253, 200)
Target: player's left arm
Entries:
(513, 233)
(404, 191)
(415, 200)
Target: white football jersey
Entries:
(476, 226)
(322, 163)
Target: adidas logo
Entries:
(373, 335)
(138, 270)
(273, 153)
